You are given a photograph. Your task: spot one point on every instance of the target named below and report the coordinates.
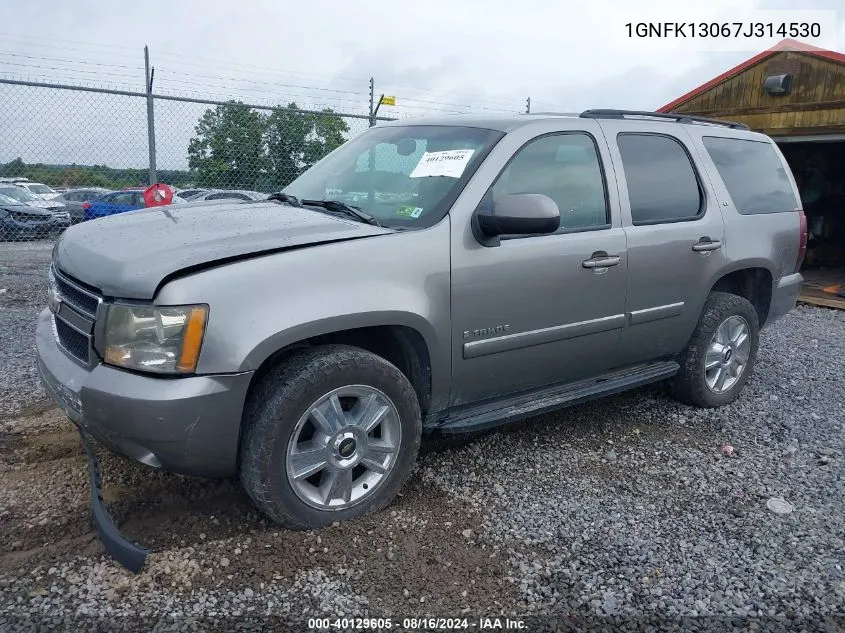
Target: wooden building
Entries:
(795, 93)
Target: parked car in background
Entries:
(38, 189)
(118, 202)
(75, 199)
(229, 194)
(23, 222)
(187, 194)
(25, 196)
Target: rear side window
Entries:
(753, 174)
(124, 197)
(662, 184)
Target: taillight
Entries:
(86, 205)
(802, 240)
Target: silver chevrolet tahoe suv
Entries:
(442, 275)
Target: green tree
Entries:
(228, 149)
(296, 140)
(13, 168)
(237, 147)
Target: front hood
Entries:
(36, 212)
(128, 255)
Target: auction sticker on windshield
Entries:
(450, 163)
(409, 212)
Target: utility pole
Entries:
(528, 105)
(372, 102)
(151, 132)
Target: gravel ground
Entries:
(23, 278)
(629, 511)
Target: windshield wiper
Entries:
(286, 198)
(342, 207)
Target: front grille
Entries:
(80, 299)
(74, 342)
(28, 217)
(76, 315)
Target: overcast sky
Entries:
(434, 56)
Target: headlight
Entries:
(163, 340)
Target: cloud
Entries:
(435, 56)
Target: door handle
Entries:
(601, 261)
(705, 245)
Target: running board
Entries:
(523, 405)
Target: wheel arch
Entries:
(751, 279)
(405, 346)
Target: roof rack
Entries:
(553, 113)
(673, 116)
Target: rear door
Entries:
(675, 235)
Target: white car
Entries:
(25, 196)
(37, 189)
(228, 194)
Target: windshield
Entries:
(403, 176)
(40, 189)
(4, 199)
(21, 195)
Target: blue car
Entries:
(117, 202)
(113, 203)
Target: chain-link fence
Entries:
(70, 153)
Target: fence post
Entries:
(372, 102)
(151, 130)
(528, 105)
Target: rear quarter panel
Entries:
(766, 240)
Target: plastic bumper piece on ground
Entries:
(118, 546)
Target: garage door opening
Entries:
(818, 168)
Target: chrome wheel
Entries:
(727, 355)
(343, 447)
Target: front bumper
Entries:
(12, 229)
(187, 425)
(119, 547)
(784, 296)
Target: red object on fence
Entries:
(158, 195)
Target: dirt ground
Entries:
(205, 534)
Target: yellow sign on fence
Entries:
(388, 101)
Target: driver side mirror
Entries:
(516, 214)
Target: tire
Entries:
(276, 426)
(691, 385)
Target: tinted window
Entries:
(124, 197)
(662, 185)
(564, 167)
(753, 174)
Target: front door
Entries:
(675, 235)
(538, 310)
